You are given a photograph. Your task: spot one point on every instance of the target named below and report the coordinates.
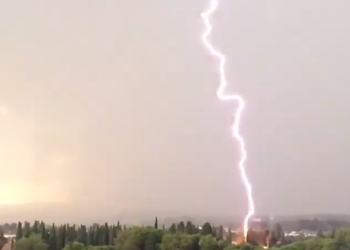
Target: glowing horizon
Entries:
(17, 192)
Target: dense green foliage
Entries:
(183, 236)
(326, 223)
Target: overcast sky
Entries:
(113, 102)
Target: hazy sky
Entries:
(113, 102)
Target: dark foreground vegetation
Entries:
(183, 236)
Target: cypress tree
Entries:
(172, 228)
(90, 237)
(26, 229)
(189, 228)
(156, 223)
(64, 236)
(106, 234)
(114, 235)
(180, 227)
(229, 237)
(58, 238)
(207, 229)
(214, 230)
(110, 236)
(220, 233)
(35, 228)
(19, 233)
(43, 231)
(83, 235)
(52, 240)
(71, 234)
(101, 236)
(61, 237)
(95, 237)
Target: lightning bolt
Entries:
(224, 97)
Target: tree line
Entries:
(181, 236)
(289, 225)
